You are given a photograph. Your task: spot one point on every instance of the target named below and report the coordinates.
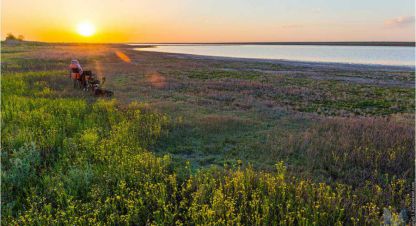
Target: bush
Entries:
(19, 171)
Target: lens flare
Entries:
(123, 56)
(157, 80)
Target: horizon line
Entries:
(333, 43)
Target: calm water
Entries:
(384, 55)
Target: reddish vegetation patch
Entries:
(358, 149)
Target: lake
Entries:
(381, 55)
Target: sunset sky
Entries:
(210, 20)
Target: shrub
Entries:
(19, 171)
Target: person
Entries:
(76, 72)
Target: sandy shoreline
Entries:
(333, 65)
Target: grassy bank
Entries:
(182, 143)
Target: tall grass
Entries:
(73, 161)
(76, 160)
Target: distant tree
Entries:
(10, 36)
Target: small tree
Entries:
(13, 39)
(10, 36)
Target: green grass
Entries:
(336, 98)
(69, 158)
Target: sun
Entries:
(86, 29)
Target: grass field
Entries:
(190, 140)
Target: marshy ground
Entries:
(329, 123)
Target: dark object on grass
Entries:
(103, 93)
(87, 73)
(99, 92)
(86, 80)
(89, 80)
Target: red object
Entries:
(76, 76)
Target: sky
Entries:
(210, 20)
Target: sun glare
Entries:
(86, 29)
